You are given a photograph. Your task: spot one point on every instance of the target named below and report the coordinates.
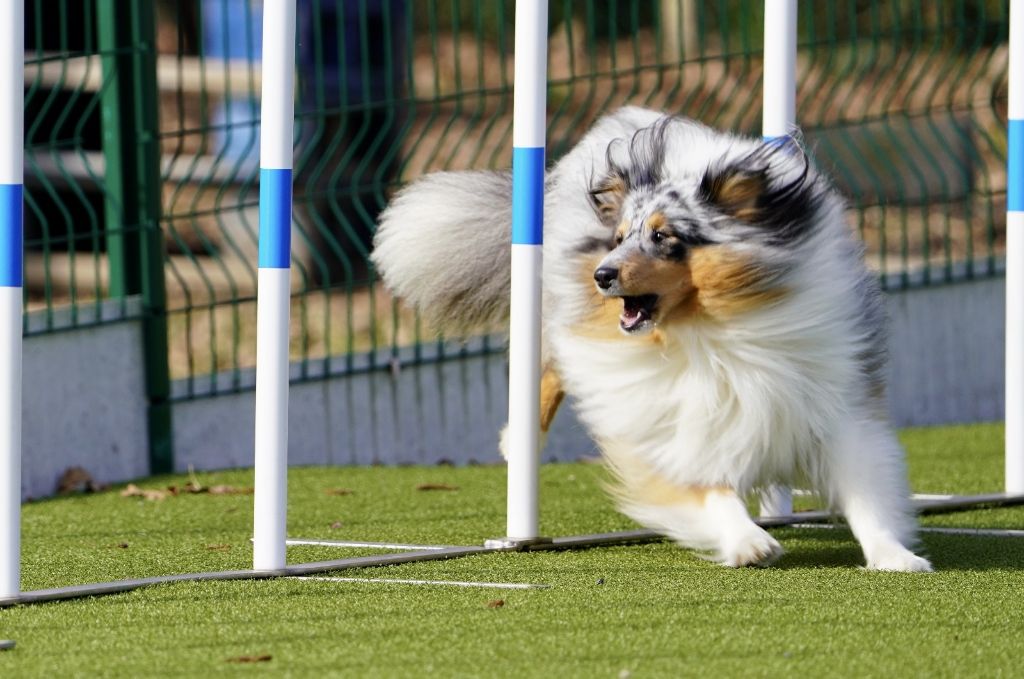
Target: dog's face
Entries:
(717, 242)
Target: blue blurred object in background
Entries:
(233, 31)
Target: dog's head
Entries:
(716, 238)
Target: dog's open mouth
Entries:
(637, 312)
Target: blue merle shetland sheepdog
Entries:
(708, 309)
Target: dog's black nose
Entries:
(604, 276)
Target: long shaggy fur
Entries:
(708, 309)
(441, 247)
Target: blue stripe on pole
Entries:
(528, 196)
(11, 228)
(1015, 167)
(786, 140)
(275, 218)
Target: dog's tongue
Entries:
(633, 313)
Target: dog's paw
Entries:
(503, 442)
(754, 548)
(899, 559)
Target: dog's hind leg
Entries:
(712, 519)
(868, 484)
(551, 396)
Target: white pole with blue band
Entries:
(528, 133)
(1014, 453)
(274, 286)
(777, 123)
(12, 125)
(778, 117)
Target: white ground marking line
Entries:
(375, 545)
(981, 532)
(449, 583)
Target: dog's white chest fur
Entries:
(694, 407)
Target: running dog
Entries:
(708, 309)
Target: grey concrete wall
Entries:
(947, 362)
(84, 398)
(947, 353)
(445, 411)
(83, 402)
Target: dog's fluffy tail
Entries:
(443, 245)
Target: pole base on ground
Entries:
(516, 544)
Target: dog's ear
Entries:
(737, 190)
(774, 188)
(607, 197)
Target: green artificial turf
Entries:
(644, 610)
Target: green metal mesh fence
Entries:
(902, 102)
(72, 215)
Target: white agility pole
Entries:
(274, 286)
(12, 121)
(778, 122)
(1014, 452)
(528, 133)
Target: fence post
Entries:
(131, 149)
(12, 142)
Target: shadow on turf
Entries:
(824, 547)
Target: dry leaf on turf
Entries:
(495, 603)
(78, 480)
(131, 490)
(229, 490)
(436, 486)
(252, 658)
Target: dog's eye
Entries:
(618, 239)
(657, 236)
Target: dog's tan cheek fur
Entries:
(729, 283)
(601, 320)
(670, 280)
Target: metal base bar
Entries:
(943, 504)
(119, 586)
(350, 544)
(955, 503)
(976, 532)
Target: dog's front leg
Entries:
(710, 519)
(551, 396)
(706, 518)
